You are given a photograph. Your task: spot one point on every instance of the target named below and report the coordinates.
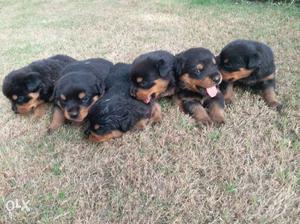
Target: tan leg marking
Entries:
(106, 137)
(201, 115)
(39, 111)
(156, 113)
(216, 113)
(270, 97)
(58, 120)
(229, 94)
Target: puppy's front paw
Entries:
(50, 131)
(276, 105)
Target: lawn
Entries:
(246, 171)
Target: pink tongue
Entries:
(212, 91)
(147, 100)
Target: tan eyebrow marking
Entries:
(200, 66)
(14, 97)
(81, 95)
(97, 126)
(226, 60)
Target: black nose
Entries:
(73, 114)
(216, 78)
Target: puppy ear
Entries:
(162, 67)
(253, 61)
(218, 59)
(179, 66)
(100, 87)
(53, 95)
(33, 81)
(125, 124)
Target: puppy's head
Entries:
(238, 60)
(198, 71)
(115, 115)
(23, 88)
(75, 93)
(150, 78)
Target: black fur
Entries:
(187, 62)
(258, 60)
(39, 76)
(251, 55)
(151, 67)
(117, 110)
(87, 76)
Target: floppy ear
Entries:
(162, 67)
(100, 87)
(53, 95)
(33, 81)
(253, 61)
(179, 66)
(125, 124)
(218, 58)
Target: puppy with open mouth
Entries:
(153, 76)
(81, 85)
(118, 112)
(251, 64)
(198, 94)
(30, 87)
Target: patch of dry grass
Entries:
(247, 171)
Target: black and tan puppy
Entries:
(153, 76)
(81, 85)
(117, 112)
(198, 93)
(28, 88)
(251, 64)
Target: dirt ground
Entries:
(247, 171)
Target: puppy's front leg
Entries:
(58, 120)
(268, 93)
(227, 90)
(39, 111)
(197, 111)
(215, 107)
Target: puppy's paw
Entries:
(276, 106)
(205, 121)
(50, 131)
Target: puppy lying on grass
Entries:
(250, 64)
(81, 84)
(153, 75)
(198, 78)
(30, 87)
(118, 112)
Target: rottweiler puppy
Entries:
(118, 112)
(198, 94)
(28, 88)
(153, 76)
(250, 64)
(81, 85)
